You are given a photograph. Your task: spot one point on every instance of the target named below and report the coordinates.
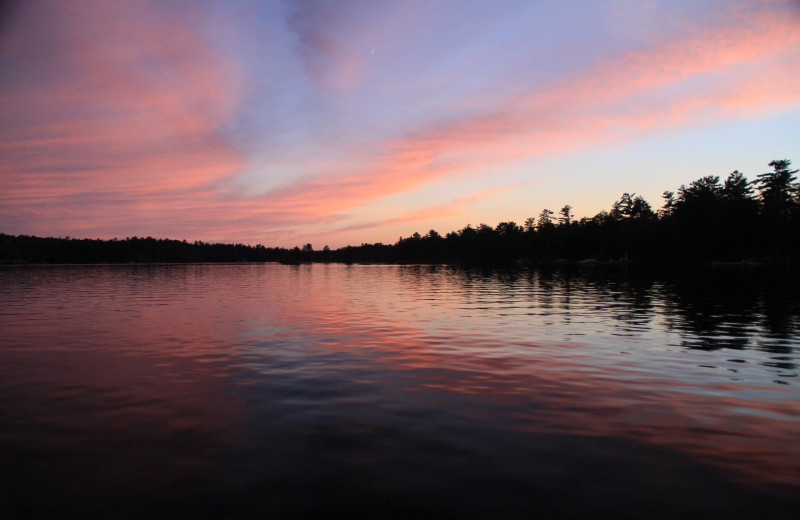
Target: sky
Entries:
(358, 121)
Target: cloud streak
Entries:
(432, 213)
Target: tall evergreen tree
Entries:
(778, 189)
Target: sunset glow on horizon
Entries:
(336, 123)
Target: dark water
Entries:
(375, 391)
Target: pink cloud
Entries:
(128, 113)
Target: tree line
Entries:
(710, 219)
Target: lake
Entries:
(251, 390)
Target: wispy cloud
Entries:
(432, 213)
(127, 116)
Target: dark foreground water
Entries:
(374, 391)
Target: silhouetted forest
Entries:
(730, 220)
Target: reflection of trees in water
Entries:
(716, 311)
(734, 309)
(630, 297)
(781, 308)
(710, 308)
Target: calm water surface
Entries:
(250, 390)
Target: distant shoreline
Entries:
(31, 250)
(732, 223)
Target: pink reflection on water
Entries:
(162, 345)
(579, 388)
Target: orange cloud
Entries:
(449, 209)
